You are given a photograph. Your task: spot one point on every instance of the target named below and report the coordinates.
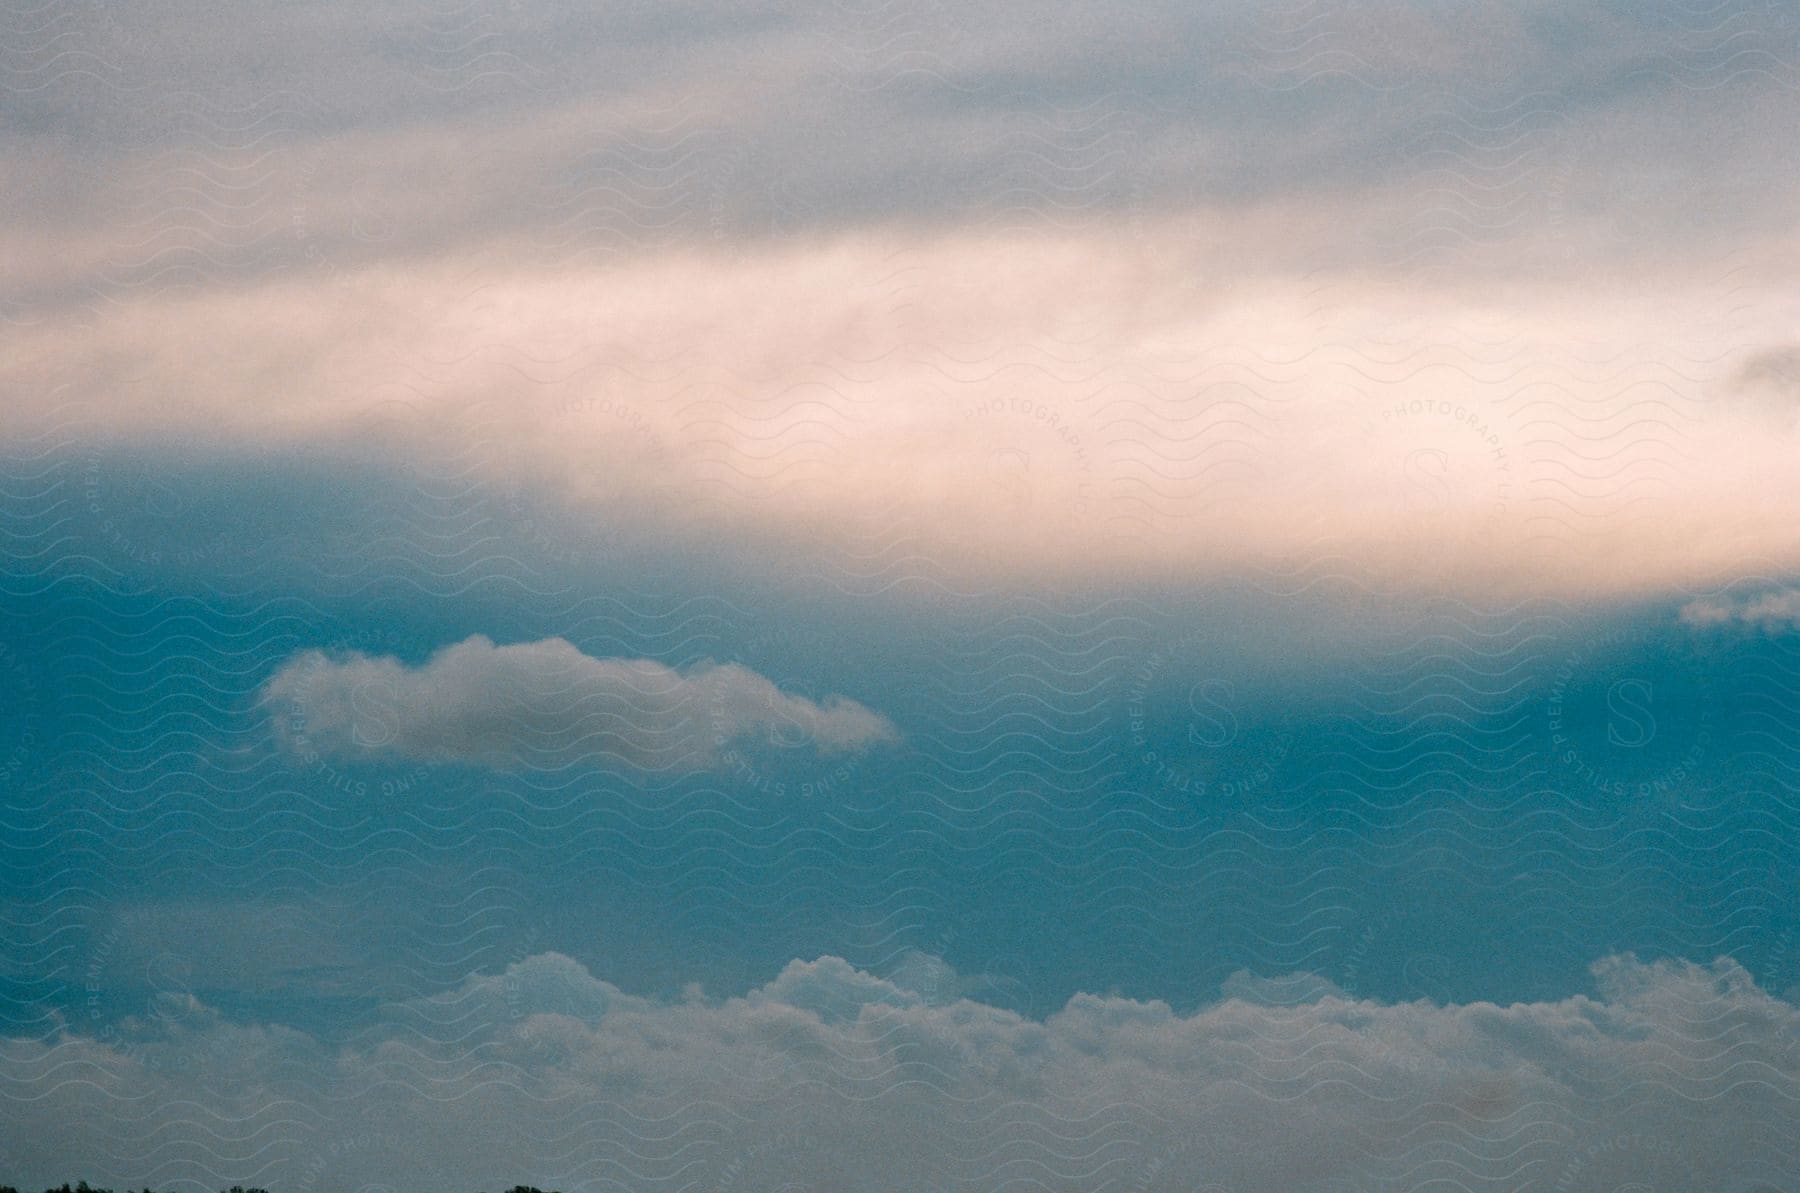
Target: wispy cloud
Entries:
(1031, 296)
(1028, 407)
(1778, 609)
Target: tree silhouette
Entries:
(84, 1187)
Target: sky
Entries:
(900, 596)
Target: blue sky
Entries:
(662, 597)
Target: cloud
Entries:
(1778, 609)
(1766, 386)
(547, 704)
(1672, 1075)
(1019, 296)
(614, 124)
(1777, 368)
(1023, 408)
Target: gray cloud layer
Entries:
(548, 704)
(1676, 1077)
(352, 132)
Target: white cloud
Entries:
(547, 704)
(1125, 296)
(1677, 1076)
(1775, 610)
(1029, 408)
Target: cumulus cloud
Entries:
(546, 703)
(1671, 1076)
(1777, 609)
